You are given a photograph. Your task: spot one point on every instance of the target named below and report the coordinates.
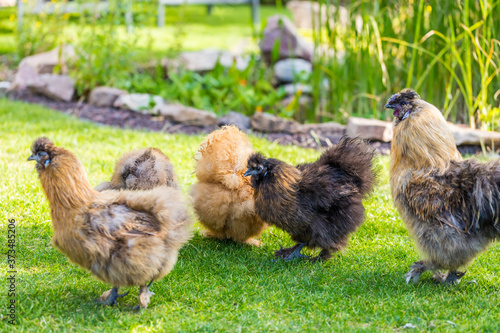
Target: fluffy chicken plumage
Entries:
(450, 206)
(319, 204)
(223, 197)
(141, 169)
(125, 238)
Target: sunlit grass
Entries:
(187, 28)
(220, 286)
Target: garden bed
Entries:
(129, 119)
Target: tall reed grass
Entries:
(449, 51)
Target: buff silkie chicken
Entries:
(319, 204)
(124, 238)
(449, 205)
(141, 169)
(223, 197)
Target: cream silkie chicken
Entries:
(450, 206)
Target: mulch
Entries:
(134, 120)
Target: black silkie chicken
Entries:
(318, 204)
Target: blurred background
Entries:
(307, 60)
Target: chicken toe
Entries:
(284, 252)
(291, 253)
(253, 242)
(453, 277)
(109, 297)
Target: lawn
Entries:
(187, 28)
(221, 286)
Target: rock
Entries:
(4, 86)
(58, 87)
(105, 96)
(466, 136)
(280, 29)
(303, 11)
(154, 68)
(144, 103)
(293, 88)
(25, 74)
(371, 129)
(326, 129)
(288, 70)
(235, 118)
(268, 123)
(186, 115)
(7, 3)
(205, 60)
(42, 63)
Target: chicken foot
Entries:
(422, 266)
(109, 297)
(291, 253)
(144, 296)
(453, 277)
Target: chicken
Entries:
(318, 204)
(125, 238)
(141, 169)
(449, 205)
(223, 197)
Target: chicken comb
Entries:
(405, 94)
(42, 144)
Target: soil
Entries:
(134, 120)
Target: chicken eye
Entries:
(42, 153)
(403, 103)
(259, 168)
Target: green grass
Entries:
(221, 286)
(187, 28)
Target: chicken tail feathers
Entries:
(486, 194)
(354, 157)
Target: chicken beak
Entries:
(389, 106)
(34, 158)
(250, 173)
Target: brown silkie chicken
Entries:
(318, 204)
(450, 206)
(125, 238)
(141, 169)
(223, 197)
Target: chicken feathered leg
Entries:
(109, 297)
(144, 296)
(421, 266)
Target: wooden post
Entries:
(128, 17)
(19, 15)
(161, 14)
(255, 15)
